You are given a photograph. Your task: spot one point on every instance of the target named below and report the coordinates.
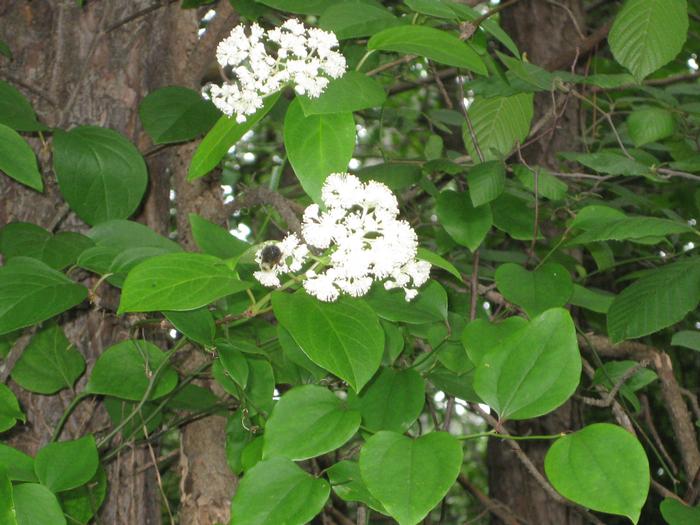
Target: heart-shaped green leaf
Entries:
(19, 466)
(67, 464)
(480, 336)
(547, 287)
(29, 240)
(410, 476)
(347, 483)
(35, 504)
(343, 337)
(308, 421)
(676, 513)
(466, 224)
(602, 467)
(276, 491)
(533, 371)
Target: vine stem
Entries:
(493, 433)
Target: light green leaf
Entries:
(406, 390)
(466, 224)
(49, 363)
(18, 465)
(36, 505)
(351, 92)
(7, 504)
(348, 20)
(17, 159)
(533, 371)
(225, 133)
(480, 336)
(676, 513)
(175, 114)
(102, 175)
(609, 162)
(67, 464)
(82, 503)
(647, 125)
(308, 421)
(546, 287)
(687, 339)
(343, 337)
(10, 412)
(317, 145)
(590, 299)
(215, 240)
(31, 292)
(430, 305)
(410, 476)
(436, 260)
(347, 483)
(30, 240)
(486, 182)
(233, 363)
(276, 491)
(659, 299)
(602, 467)
(178, 281)
(15, 110)
(125, 370)
(499, 122)
(431, 43)
(647, 34)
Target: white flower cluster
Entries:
(362, 241)
(262, 62)
(287, 256)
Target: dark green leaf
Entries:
(546, 287)
(466, 224)
(347, 483)
(317, 145)
(17, 159)
(348, 20)
(479, 337)
(677, 513)
(67, 464)
(486, 182)
(609, 162)
(395, 175)
(214, 239)
(81, 504)
(29, 240)
(197, 325)
(351, 92)
(590, 299)
(175, 114)
(102, 175)
(430, 304)
(548, 186)
(15, 110)
(687, 339)
(514, 216)
(122, 235)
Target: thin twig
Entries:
(607, 400)
(261, 195)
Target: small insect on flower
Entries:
(270, 256)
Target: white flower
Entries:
(262, 62)
(322, 286)
(277, 258)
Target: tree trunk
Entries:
(93, 65)
(544, 31)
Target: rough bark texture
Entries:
(544, 31)
(93, 65)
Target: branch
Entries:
(501, 511)
(583, 48)
(261, 195)
(201, 56)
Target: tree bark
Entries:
(544, 31)
(93, 65)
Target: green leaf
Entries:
(261, 385)
(58, 251)
(602, 467)
(101, 174)
(676, 513)
(10, 412)
(498, 122)
(7, 504)
(548, 186)
(609, 162)
(308, 421)
(15, 110)
(122, 235)
(82, 503)
(215, 240)
(514, 216)
(647, 34)
(623, 228)
(406, 390)
(486, 182)
(276, 491)
(178, 281)
(18, 465)
(480, 336)
(435, 8)
(295, 354)
(67, 464)
(193, 398)
(343, 337)
(659, 299)
(233, 363)
(36, 505)
(533, 371)
(17, 159)
(317, 145)
(300, 7)
(612, 372)
(466, 224)
(687, 339)
(590, 299)
(31, 292)
(197, 325)
(125, 370)
(351, 92)
(410, 476)
(175, 114)
(647, 125)
(348, 20)
(237, 437)
(430, 43)
(430, 305)
(436, 260)
(49, 363)
(347, 483)
(225, 133)
(395, 175)
(546, 287)
(457, 385)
